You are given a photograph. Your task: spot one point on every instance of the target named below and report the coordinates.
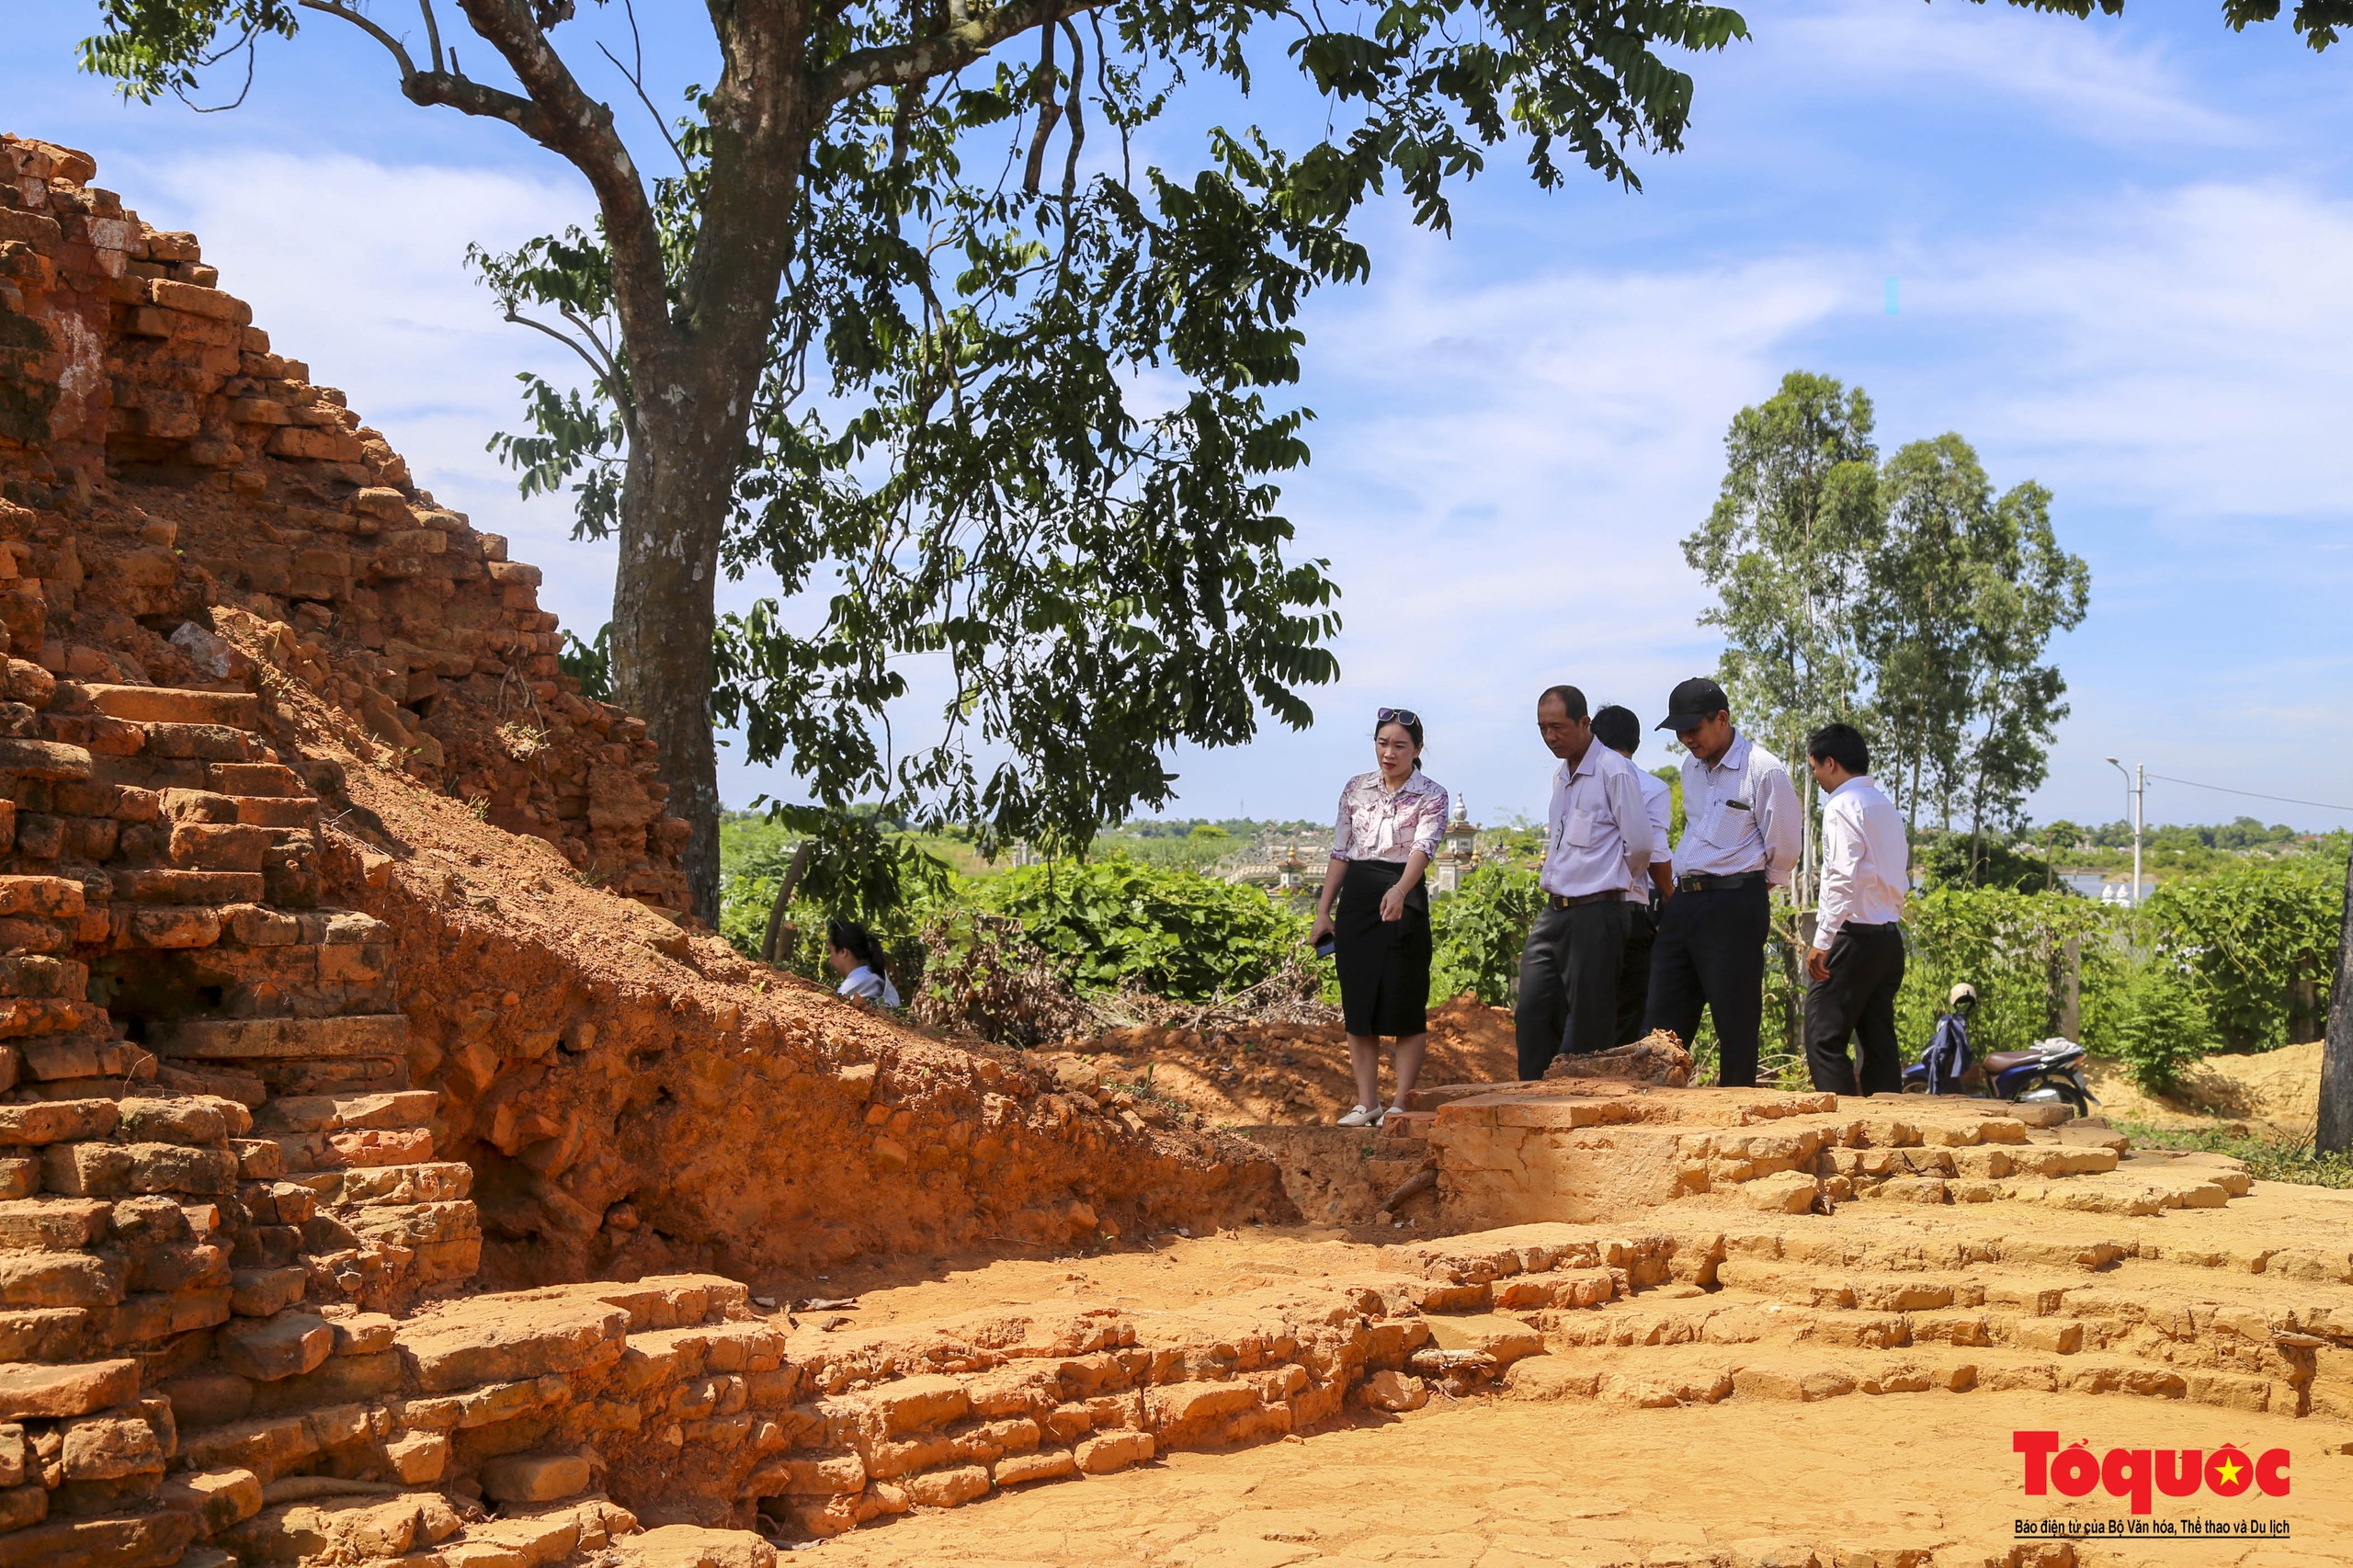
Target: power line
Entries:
(2252, 794)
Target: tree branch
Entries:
(564, 119)
(920, 58)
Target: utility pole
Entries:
(2136, 786)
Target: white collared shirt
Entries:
(1599, 838)
(1659, 796)
(863, 984)
(1865, 860)
(1739, 815)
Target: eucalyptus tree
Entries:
(1786, 547)
(2024, 590)
(1915, 627)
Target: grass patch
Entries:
(2267, 1159)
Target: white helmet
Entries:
(1963, 994)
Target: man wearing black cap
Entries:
(1742, 834)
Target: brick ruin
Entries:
(388, 1174)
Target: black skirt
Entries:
(1384, 965)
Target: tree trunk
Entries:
(2337, 1057)
(772, 942)
(674, 507)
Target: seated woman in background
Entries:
(855, 955)
(1391, 821)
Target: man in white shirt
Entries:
(1856, 965)
(1621, 732)
(1597, 843)
(1742, 833)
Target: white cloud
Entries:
(2095, 77)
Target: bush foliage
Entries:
(1477, 931)
(2246, 937)
(2159, 1030)
(1174, 933)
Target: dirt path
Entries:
(1509, 1483)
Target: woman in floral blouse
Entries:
(1390, 824)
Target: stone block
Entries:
(108, 1448)
(29, 1392)
(22, 1506)
(170, 705)
(949, 1488)
(820, 1478)
(59, 1279)
(419, 1459)
(1395, 1391)
(383, 1034)
(1110, 1451)
(214, 1498)
(53, 1224)
(495, 1340)
(181, 1120)
(262, 1292)
(210, 1399)
(150, 1540)
(1046, 1464)
(141, 1320)
(282, 1346)
(171, 927)
(534, 1477)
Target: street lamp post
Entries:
(2136, 785)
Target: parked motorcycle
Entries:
(2049, 1071)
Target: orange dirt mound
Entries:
(1256, 1075)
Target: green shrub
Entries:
(1175, 932)
(2248, 933)
(2160, 1027)
(2012, 948)
(1477, 931)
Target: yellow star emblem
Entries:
(2230, 1473)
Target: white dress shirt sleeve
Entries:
(1779, 824)
(1842, 859)
(1633, 815)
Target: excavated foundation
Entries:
(388, 1175)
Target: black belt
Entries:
(1872, 925)
(1701, 881)
(1571, 901)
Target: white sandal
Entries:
(1360, 1117)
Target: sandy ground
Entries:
(1510, 1483)
(2275, 1093)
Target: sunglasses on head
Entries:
(1404, 716)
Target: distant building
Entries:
(1458, 852)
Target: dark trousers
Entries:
(1634, 972)
(1858, 999)
(1711, 952)
(1568, 983)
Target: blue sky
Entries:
(2120, 247)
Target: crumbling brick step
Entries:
(171, 705)
(233, 1040)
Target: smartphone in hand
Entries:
(1327, 946)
